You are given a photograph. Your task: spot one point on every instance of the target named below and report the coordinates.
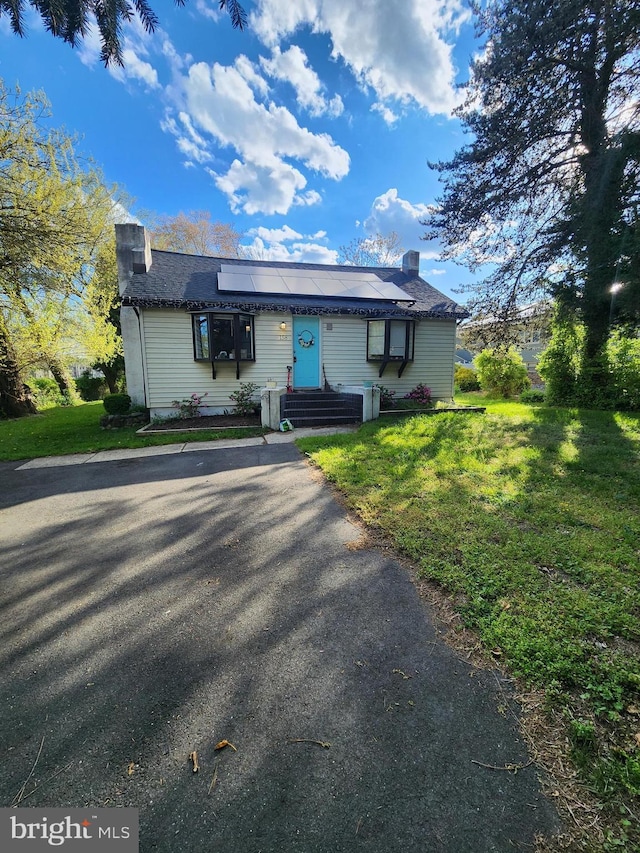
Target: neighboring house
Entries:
(464, 357)
(194, 324)
(528, 329)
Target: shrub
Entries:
(570, 379)
(465, 378)
(243, 399)
(502, 372)
(91, 387)
(590, 389)
(117, 404)
(190, 406)
(420, 394)
(532, 395)
(559, 363)
(386, 397)
(624, 364)
(46, 393)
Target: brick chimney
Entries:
(133, 252)
(411, 263)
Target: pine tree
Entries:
(547, 189)
(70, 20)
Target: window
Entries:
(400, 344)
(375, 339)
(390, 340)
(201, 337)
(223, 337)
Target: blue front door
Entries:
(306, 352)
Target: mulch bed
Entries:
(208, 422)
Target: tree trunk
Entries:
(15, 400)
(603, 171)
(112, 371)
(63, 379)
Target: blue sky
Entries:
(311, 128)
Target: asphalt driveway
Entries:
(153, 607)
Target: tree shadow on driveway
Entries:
(155, 609)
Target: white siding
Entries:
(344, 354)
(172, 373)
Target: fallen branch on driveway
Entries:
(510, 768)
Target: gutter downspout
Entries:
(143, 361)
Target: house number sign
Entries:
(306, 339)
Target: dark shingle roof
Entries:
(191, 282)
(463, 354)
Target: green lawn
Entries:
(529, 517)
(76, 429)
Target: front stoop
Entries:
(321, 408)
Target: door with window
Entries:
(306, 352)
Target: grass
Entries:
(529, 518)
(76, 429)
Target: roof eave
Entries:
(219, 305)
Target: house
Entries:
(527, 328)
(193, 324)
(464, 357)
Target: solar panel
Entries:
(249, 270)
(306, 282)
(241, 282)
(302, 273)
(361, 276)
(301, 285)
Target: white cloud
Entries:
(303, 253)
(209, 10)
(268, 245)
(248, 71)
(258, 189)
(134, 45)
(176, 61)
(307, 199)
(275, 235)
(275, 19)
(189, 141)
(220, 102)
(196, 138)
(89, 48)
(388, 115)
(336, 106)
(389, 213)
(292, 66)
(436, 272)
(136, 69)
(401, 51)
